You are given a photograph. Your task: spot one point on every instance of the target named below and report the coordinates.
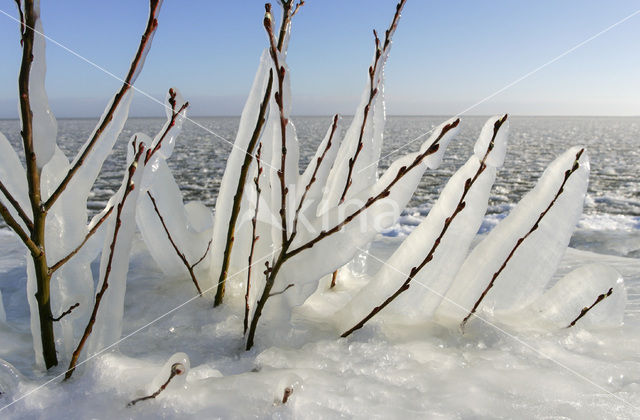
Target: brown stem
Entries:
(152, 24)
(279, 98)
(519, 242)
(289, 286)
(373, 91)
(584, 311)
(23, 215)
(312, 180)
(206, 251)
(384, 193)
(67, 312)
(172, 122)
(254, 238)
(15, 226)
(244, 170)
(105, 283)
(180, 254)
(89, 234)
(459, 207)
(176, 369)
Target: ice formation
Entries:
(522, 252)
(429, 285)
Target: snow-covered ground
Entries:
(385, 370)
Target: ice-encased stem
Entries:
(458, 208)
(128, 188)
(519, 242)
(244, 171)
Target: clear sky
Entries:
(447, 55)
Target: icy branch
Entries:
(18, 208)
(584, 310)
(176, 370)
(129, 187)
(458, 208)
(254, 238)
(180, 254)
(65, 313)
(519, 242)
(134, 69)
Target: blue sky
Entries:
(447, 55)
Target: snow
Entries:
(386, 370)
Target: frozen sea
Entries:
(383, 371)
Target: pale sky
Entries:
(447, 55)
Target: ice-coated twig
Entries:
(459, 207)
(172, 122)
(145, 41)
(244, 170)
(287, 393)
(254, 238)
(89, 234)
(176, 370)
(180, 254)
(519, 242)
(382, 194)
(22, 22)
(23, 215)
(65, 313)
(312, 180)
(586, 309)
(286, 254)
(36, 242)
(15, 226)
(105, 283)
(279, 98)
(373, 90)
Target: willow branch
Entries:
(152, 24)
(172, 123)
(373, 91)
(176, 370)
(180, 254)
(519, 242)
(383, 194)
(89, 234)
(15, 226)
(67, 312)
(584, 311)
(312, 180)
(254, 238)
(23, 215)
(279, 98)
(105, 283)
(206, 251)
(244, 170)
(429, 257)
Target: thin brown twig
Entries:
(176, 370)
(180, 254)
(23, 215)
(105, 282)
(152, 24)
(459, 207)
(284, 122)
(15, 226)
(22, 23)
(89, 234)
(65, 313)
(170, 125)
(289, 286)
(254, 238)
(206, 251)
(584, 310)
(519, 242)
